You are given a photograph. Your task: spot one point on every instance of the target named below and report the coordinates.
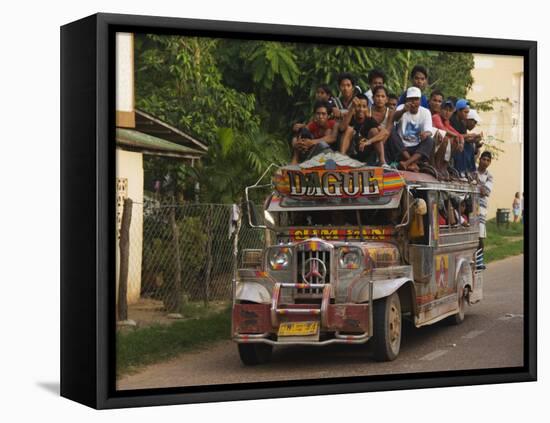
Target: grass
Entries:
(503, 241)
(160, 342)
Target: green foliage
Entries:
(270, 60)
(193, 238)
(503, 241)
(451, 73)
(236, 161)
(177, 80)
(242, 96)
(488, 105)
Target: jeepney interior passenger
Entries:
(454, 209)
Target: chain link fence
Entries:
(184, 253)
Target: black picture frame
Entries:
(87, 210)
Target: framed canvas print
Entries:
(258, 211)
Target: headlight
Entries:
(349, 258)
(279, 258)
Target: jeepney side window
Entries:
(419, 228)
(446, 217)
(457, 209)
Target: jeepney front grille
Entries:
(304, 267)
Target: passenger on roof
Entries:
(471, 121)
(318, 135)
(447, 139)
(376, 78)
(346, 85)
(419, 79)
(379, 110)
(392, 101)
(412, 141)
(435, 102)
(441, 121)
(363, 137)
(322, 93)
(464, 161)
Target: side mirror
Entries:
(253, 218)
(420, 207)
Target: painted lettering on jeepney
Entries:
(335, 234)
(321, 183)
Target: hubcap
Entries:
(395, 326)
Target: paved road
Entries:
(490, 337)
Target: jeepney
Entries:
(350, 252)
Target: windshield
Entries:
(325, 218)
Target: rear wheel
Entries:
(254, 354)
(387, 327)
(458, 318)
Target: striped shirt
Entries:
(485, 181)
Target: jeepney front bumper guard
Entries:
(339, 319)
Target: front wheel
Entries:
(253, 354)
(387, 327)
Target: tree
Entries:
(177, 80)
(242, 96)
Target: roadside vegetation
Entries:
(503, 241)
(142, 346)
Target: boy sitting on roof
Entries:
(376, 78)
(412, 140)
(419, 79)
(449, 140)
(464, 161)
(322, 93)
(316, 136)
(363, 137)
(346, 85)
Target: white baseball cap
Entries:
(472, 114)
(414, 92)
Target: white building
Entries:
(501, 77)
(139, 134)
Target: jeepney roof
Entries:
(427, 181)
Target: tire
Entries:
(387, 327)
(458, 318)
(254, 354)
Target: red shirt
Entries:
(438, 123)
(317, 131)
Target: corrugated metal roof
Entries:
(139, 141)
(155, 127)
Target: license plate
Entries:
(298, 329)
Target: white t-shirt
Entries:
(410, 126)
(368, 94)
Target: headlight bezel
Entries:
(349, 253)
(274, 256)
